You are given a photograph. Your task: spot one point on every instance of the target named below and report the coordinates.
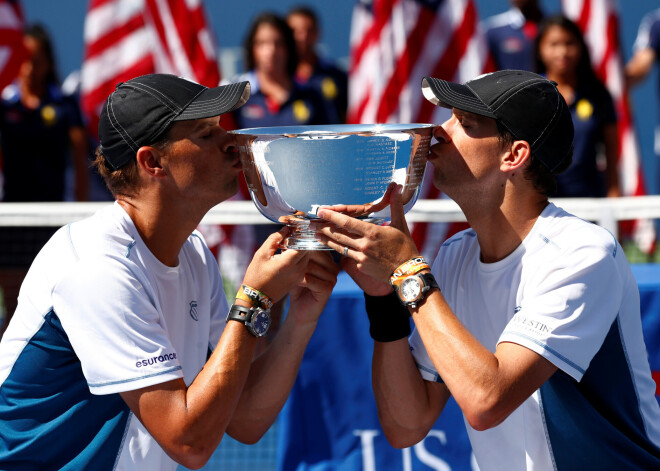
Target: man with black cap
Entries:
(530, 319)
(122, 353)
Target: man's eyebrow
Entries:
(466, 114)
(203, 124)
(460, 113)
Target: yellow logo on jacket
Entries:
(584, 109)
(49, 115)
(300, 111)
(329, 88)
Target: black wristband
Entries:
(388, 319)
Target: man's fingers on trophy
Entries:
(396, 209)
(343, 222)
(354, 210)
(391, 189)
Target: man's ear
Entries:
(515, 158)
(149, 160)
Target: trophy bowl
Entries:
(291, 171)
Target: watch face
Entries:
(261, 322)
(410, 289)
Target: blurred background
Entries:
(230, 21)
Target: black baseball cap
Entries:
(140, 111)
(528, 105)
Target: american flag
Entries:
(393, 45)
(598, 20)
(127, 38)
(12, 52)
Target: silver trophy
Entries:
(292, 171)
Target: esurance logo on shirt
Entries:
(155, 360)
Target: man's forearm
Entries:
(189, 422)
(269, 383)
(405, 409)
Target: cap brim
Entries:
(453, 95)
(216, 101)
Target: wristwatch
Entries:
(412, 289)
(256, 320)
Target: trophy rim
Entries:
(303, 130)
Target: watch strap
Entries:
(428, 282)
(246, 315)
(240, 313)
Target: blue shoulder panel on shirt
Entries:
(50, 420)
(596, 423)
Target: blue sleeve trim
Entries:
(110, 383)
(436, 377)
(554, 352)
(458, 238)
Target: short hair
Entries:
(307, 12)
(284, 29)
(125, 180)
(540, 176)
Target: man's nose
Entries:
(440, 132)
(228, 142)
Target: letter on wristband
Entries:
(411, 267)
(255, 297)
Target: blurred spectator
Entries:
(40, 129)
(313, 70)
(511, 35)
(562, 55)
(276, 99)
(41, 132)
(647, 52)
(98, 191)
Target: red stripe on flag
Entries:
(583, 20)
(380, 11)
(113, 37)
(446, 66)
(204, 68)
(156, 17)
(656, 378)
(405, 65)
(98, 3)
(354, 116)
(11, 42)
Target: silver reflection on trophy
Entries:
(292, 171)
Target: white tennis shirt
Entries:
(568, 294)
(98, 314)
